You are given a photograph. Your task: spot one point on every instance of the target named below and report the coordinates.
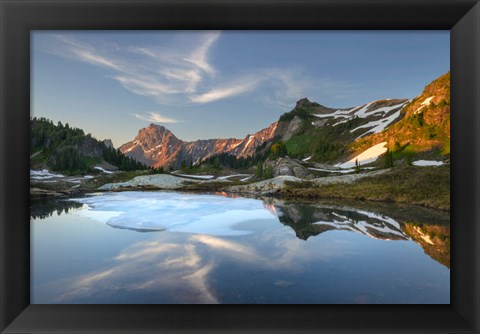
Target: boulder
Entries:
(286, 166)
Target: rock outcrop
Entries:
(286, 166)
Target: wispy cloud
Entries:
(222, 93)
(183, 73)
(96, 59)
(199, 56)
(155, 118)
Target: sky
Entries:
(220, 84)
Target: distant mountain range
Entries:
(323, 134)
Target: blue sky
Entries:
(220, 84)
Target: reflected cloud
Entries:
(185, 267)
(148, 266)
(199, 280)
(227, 245)
(145, 250)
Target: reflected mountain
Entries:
(310, 220)
(432, 233)
(222, 215)
(434, 239)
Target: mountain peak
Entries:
(156, 130)
(154, 125)
(306, 103)
(302, 103)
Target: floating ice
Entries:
(175, 212)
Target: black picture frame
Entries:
(19, 17)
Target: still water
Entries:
(169, 247)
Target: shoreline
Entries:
(273, 195)
(420, 186)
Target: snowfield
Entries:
(103, 170)
(378, 125)
(332, 170)
(43, 174)
(363, 112)
(202, 177)
(234, 175)
(427, 163)
(370, 155)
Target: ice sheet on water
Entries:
(175, 212)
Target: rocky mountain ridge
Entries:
(157, 146)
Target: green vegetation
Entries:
(388, 159)
(268, 173)
(231, 161)
(304, 112)
(423, 129)
(69, 150)
(259, 170)
(327, 143)
(358, 169)
(278, 150)
(116, 158)
(213, 186)
(425, 186)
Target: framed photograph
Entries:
(286, 161)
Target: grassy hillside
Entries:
(424, 128)
(425, 186)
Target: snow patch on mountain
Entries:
(365, 111)
(425, 103)
(370, 155)
(378, 125)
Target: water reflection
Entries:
(286, 251)
(311, 220)
(44, 208)
(431, 229)
(434, 239)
